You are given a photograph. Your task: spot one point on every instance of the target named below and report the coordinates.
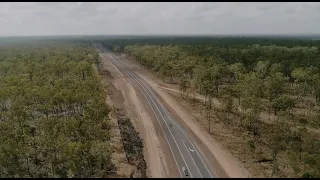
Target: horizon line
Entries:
(243, 34)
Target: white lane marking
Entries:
(158, 122)
(134, 78)
(191, 150)
(192, 144)
(190, 155)
(190, 141)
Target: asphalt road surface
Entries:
(182, 147)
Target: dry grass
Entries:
(236, 140)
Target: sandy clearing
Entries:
(221, 160)
(157, 158)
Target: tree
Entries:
(282, 103)
(236, 69)
(304, 80)
(252, 110)
(262, 68)
(250, 85)
(184, 84)
(275, 86)
(278, 142)
(275, 68)
(116, 48)
(227, 106)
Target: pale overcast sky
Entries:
(75, 18)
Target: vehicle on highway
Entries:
(185, 171)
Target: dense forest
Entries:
(53, 117)
(226, 42)
(249, 77)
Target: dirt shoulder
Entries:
(123, 168)
(156, 154)
(220, 158)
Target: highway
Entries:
(182, 147)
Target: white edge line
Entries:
(196, 149)
(190, 155)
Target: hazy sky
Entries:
(74, 18)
